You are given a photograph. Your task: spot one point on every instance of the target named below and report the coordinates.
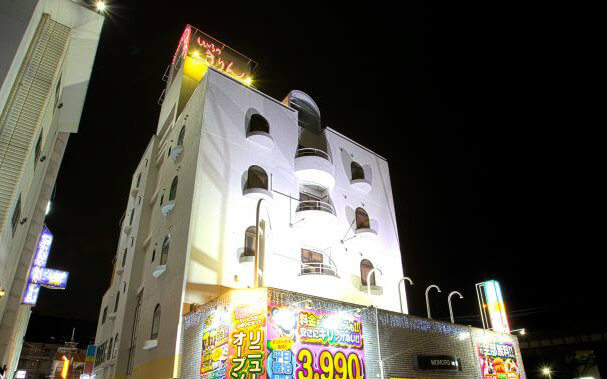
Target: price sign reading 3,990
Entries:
(328, 365)
(308, 343)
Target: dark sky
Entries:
(478, 109)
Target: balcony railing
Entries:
(315, 205)
(323, 268)
(311, 152)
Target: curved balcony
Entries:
(361, 184)
(314, 166)
(315, 222)
(323, 268)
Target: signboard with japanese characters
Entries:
(215, 335)
(311, 344)
(498, 361)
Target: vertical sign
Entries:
(215, 334)
(43, 249)
(248, 334)
(89, 361)
(492, 307)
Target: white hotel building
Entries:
(47, 50)
(327, 216)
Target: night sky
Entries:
(479, 111)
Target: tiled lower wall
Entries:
(400, 337)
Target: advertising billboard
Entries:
(498, 361)
(308, 343)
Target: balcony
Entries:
(361, 184)
(261, 138)
(168, 207)
(369, 233)
(315, 222)
(176, 152)
(257, 193)
(314, 166)
(322, 268)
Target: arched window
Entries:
(155, 323)
(173, 192)
(365, 267)
(258, 123)
(257, 178)
(165, 250)
(181, 136)
(117, 301)
(362, 219)
(249, 242)
(357, 171)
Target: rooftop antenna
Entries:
(73, 331)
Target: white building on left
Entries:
(47, 50)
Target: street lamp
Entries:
(101, 6)
(449, 302)
(400, 296)
(546, 371)
(521, 331)
(427, 300)
(369, 283)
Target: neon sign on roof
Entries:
(202, 47)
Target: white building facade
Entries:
(47, 49)
(326, 221)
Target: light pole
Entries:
(450, 307)
(521, 331)
(257, 239)
(371, 272)
(427, 300)
(400, 296)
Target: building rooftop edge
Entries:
(356, 143)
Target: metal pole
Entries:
(369, 283)
(450, 307)
(400, 296)
(257, 239)
(427, 300)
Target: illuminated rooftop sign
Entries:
(201, 48)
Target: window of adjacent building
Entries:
(312, 261)
(173, 192)
(57, 93)
(365, 267)
(153, 255)
(38, 150)
(117, 301)
(357, 171)
(249, 242)
(155, 323)
(108, 352)
(161, 199)
(104, 316)
(115, 346)
(133, 343)
(362, 219)
(131, 216)
(138, 180)
(258, 123)
(124, 257)
(181, 136)
(16, 216)
(164, 255)
(257, 178)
